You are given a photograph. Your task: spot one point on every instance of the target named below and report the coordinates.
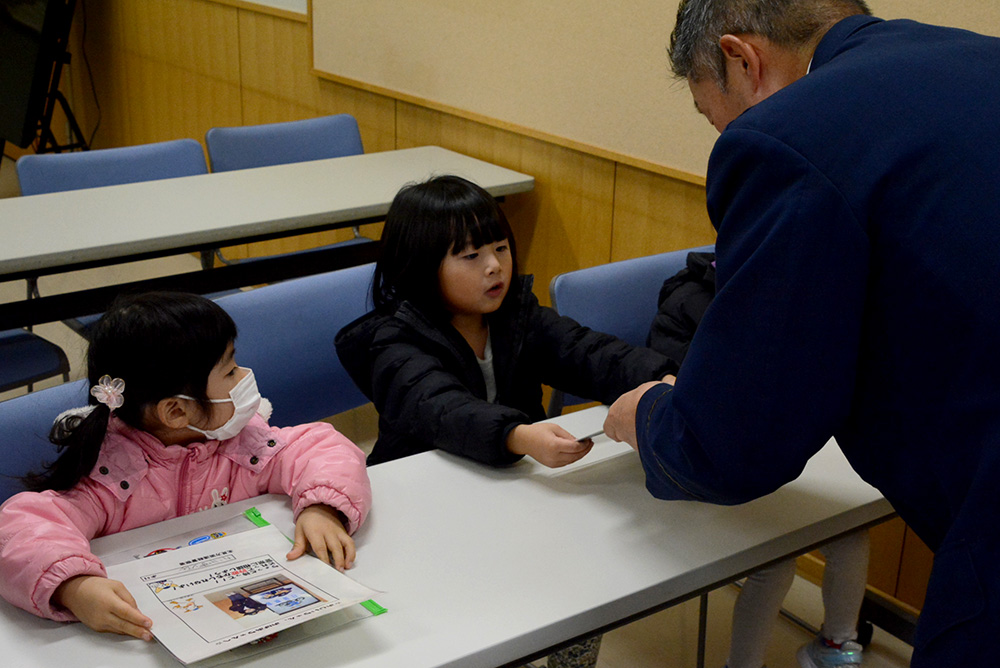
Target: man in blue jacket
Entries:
(854, 189)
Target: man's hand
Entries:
(620, 423)
(104, 605)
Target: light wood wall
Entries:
(168, 69)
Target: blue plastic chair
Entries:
(58, 172)
(618, 298)
(26, 358)
(286, 333)
(250, 146)
(24, 439)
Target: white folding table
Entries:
(65, 231)
(484, 567)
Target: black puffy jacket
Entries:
(428, 389)
(683, 300)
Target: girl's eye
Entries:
(502, 248)
(471, 256)
(232, 371)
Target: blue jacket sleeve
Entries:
(770, 372)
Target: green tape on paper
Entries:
(254, 516)
(373, 607)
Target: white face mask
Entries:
(245, 399)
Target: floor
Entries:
(665, 640)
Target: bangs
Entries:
(470, 215)
(427, 222)
(477, 229)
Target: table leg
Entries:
(702, 628)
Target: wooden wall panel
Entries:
(655, 214)
(277, 86)
(914, 571)
(564, 223)
(274, 65)
(376, 114)
(885, 554)
(181, 66)
(103, 47)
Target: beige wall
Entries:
(585, 74)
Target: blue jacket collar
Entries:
(835, 37)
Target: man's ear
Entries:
(173, 412)
(744, 65)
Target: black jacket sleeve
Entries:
(589, 364)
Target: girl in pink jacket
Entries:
(173, 428)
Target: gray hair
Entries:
(694, 44)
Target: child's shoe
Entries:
(821, 653)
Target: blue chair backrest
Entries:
(286, 333)
(24, 437)
(281, 143)
(618, 298)
(57, 172)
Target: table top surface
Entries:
(482, 567)
(66, 228)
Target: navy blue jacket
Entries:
(858, 275)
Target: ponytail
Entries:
(79, 434)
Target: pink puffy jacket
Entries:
(44, 537)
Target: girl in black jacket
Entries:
(455, 353)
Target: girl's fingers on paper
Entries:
(350, 552)
(130, 628)
(336, 552)
(123, 593)
(299, 547)
(125, 616)
(319, 547)
(343, 551)
(296, 552)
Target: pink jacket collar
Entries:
(127, 453)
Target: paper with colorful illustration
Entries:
(218, 594)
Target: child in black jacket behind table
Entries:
(457, 349)
(455, 353)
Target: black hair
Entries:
(161, 344)
(426, 221)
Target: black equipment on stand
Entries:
(34, 36)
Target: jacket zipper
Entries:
(183, 486)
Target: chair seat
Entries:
(26, 358)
